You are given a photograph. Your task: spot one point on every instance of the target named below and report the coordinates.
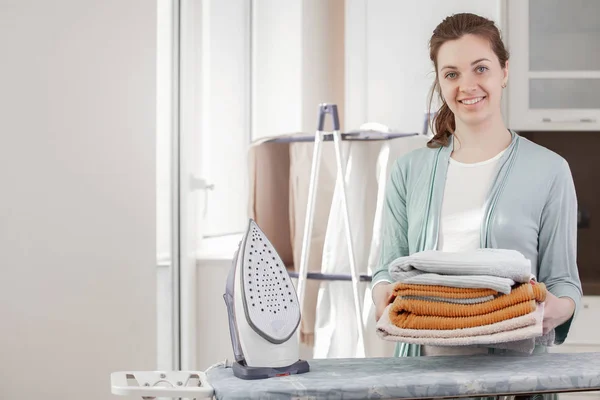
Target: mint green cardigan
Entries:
(531, 208)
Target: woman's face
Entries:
(471, 79)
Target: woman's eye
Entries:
(451, 75)
(481, 68)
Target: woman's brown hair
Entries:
(453, 28)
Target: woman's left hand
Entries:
(557, 310)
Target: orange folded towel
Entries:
(522, 293)
(412, 321)
(407, 289)
(423, 314)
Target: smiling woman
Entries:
(479, 185)
(471, 66)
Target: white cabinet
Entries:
(554, 67)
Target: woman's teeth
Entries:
(472, 101)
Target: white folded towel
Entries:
(484, 263)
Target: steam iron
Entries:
(263, 309)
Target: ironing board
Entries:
(405, 378)
(421, 377)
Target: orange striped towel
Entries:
(407, 289)
(423, 314)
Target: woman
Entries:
(477, 184)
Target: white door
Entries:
(203, 170)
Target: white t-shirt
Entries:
(467, 186)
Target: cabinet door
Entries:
(554, 81)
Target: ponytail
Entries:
(443, 123)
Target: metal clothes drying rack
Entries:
(337, 137)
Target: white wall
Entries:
(77, 210)
(276, 67)
(388, 71)
(297, 63)
(322, 60)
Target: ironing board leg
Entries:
(308, 220)
(341, 179)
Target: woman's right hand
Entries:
(383, 294)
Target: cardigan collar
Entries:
(429, 233)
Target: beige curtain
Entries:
(269, 195)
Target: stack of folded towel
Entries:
(484, 297)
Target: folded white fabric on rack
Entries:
(336, 327)
(499, 263)
(368, 169)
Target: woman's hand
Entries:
(383, 294)
(557, 310)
